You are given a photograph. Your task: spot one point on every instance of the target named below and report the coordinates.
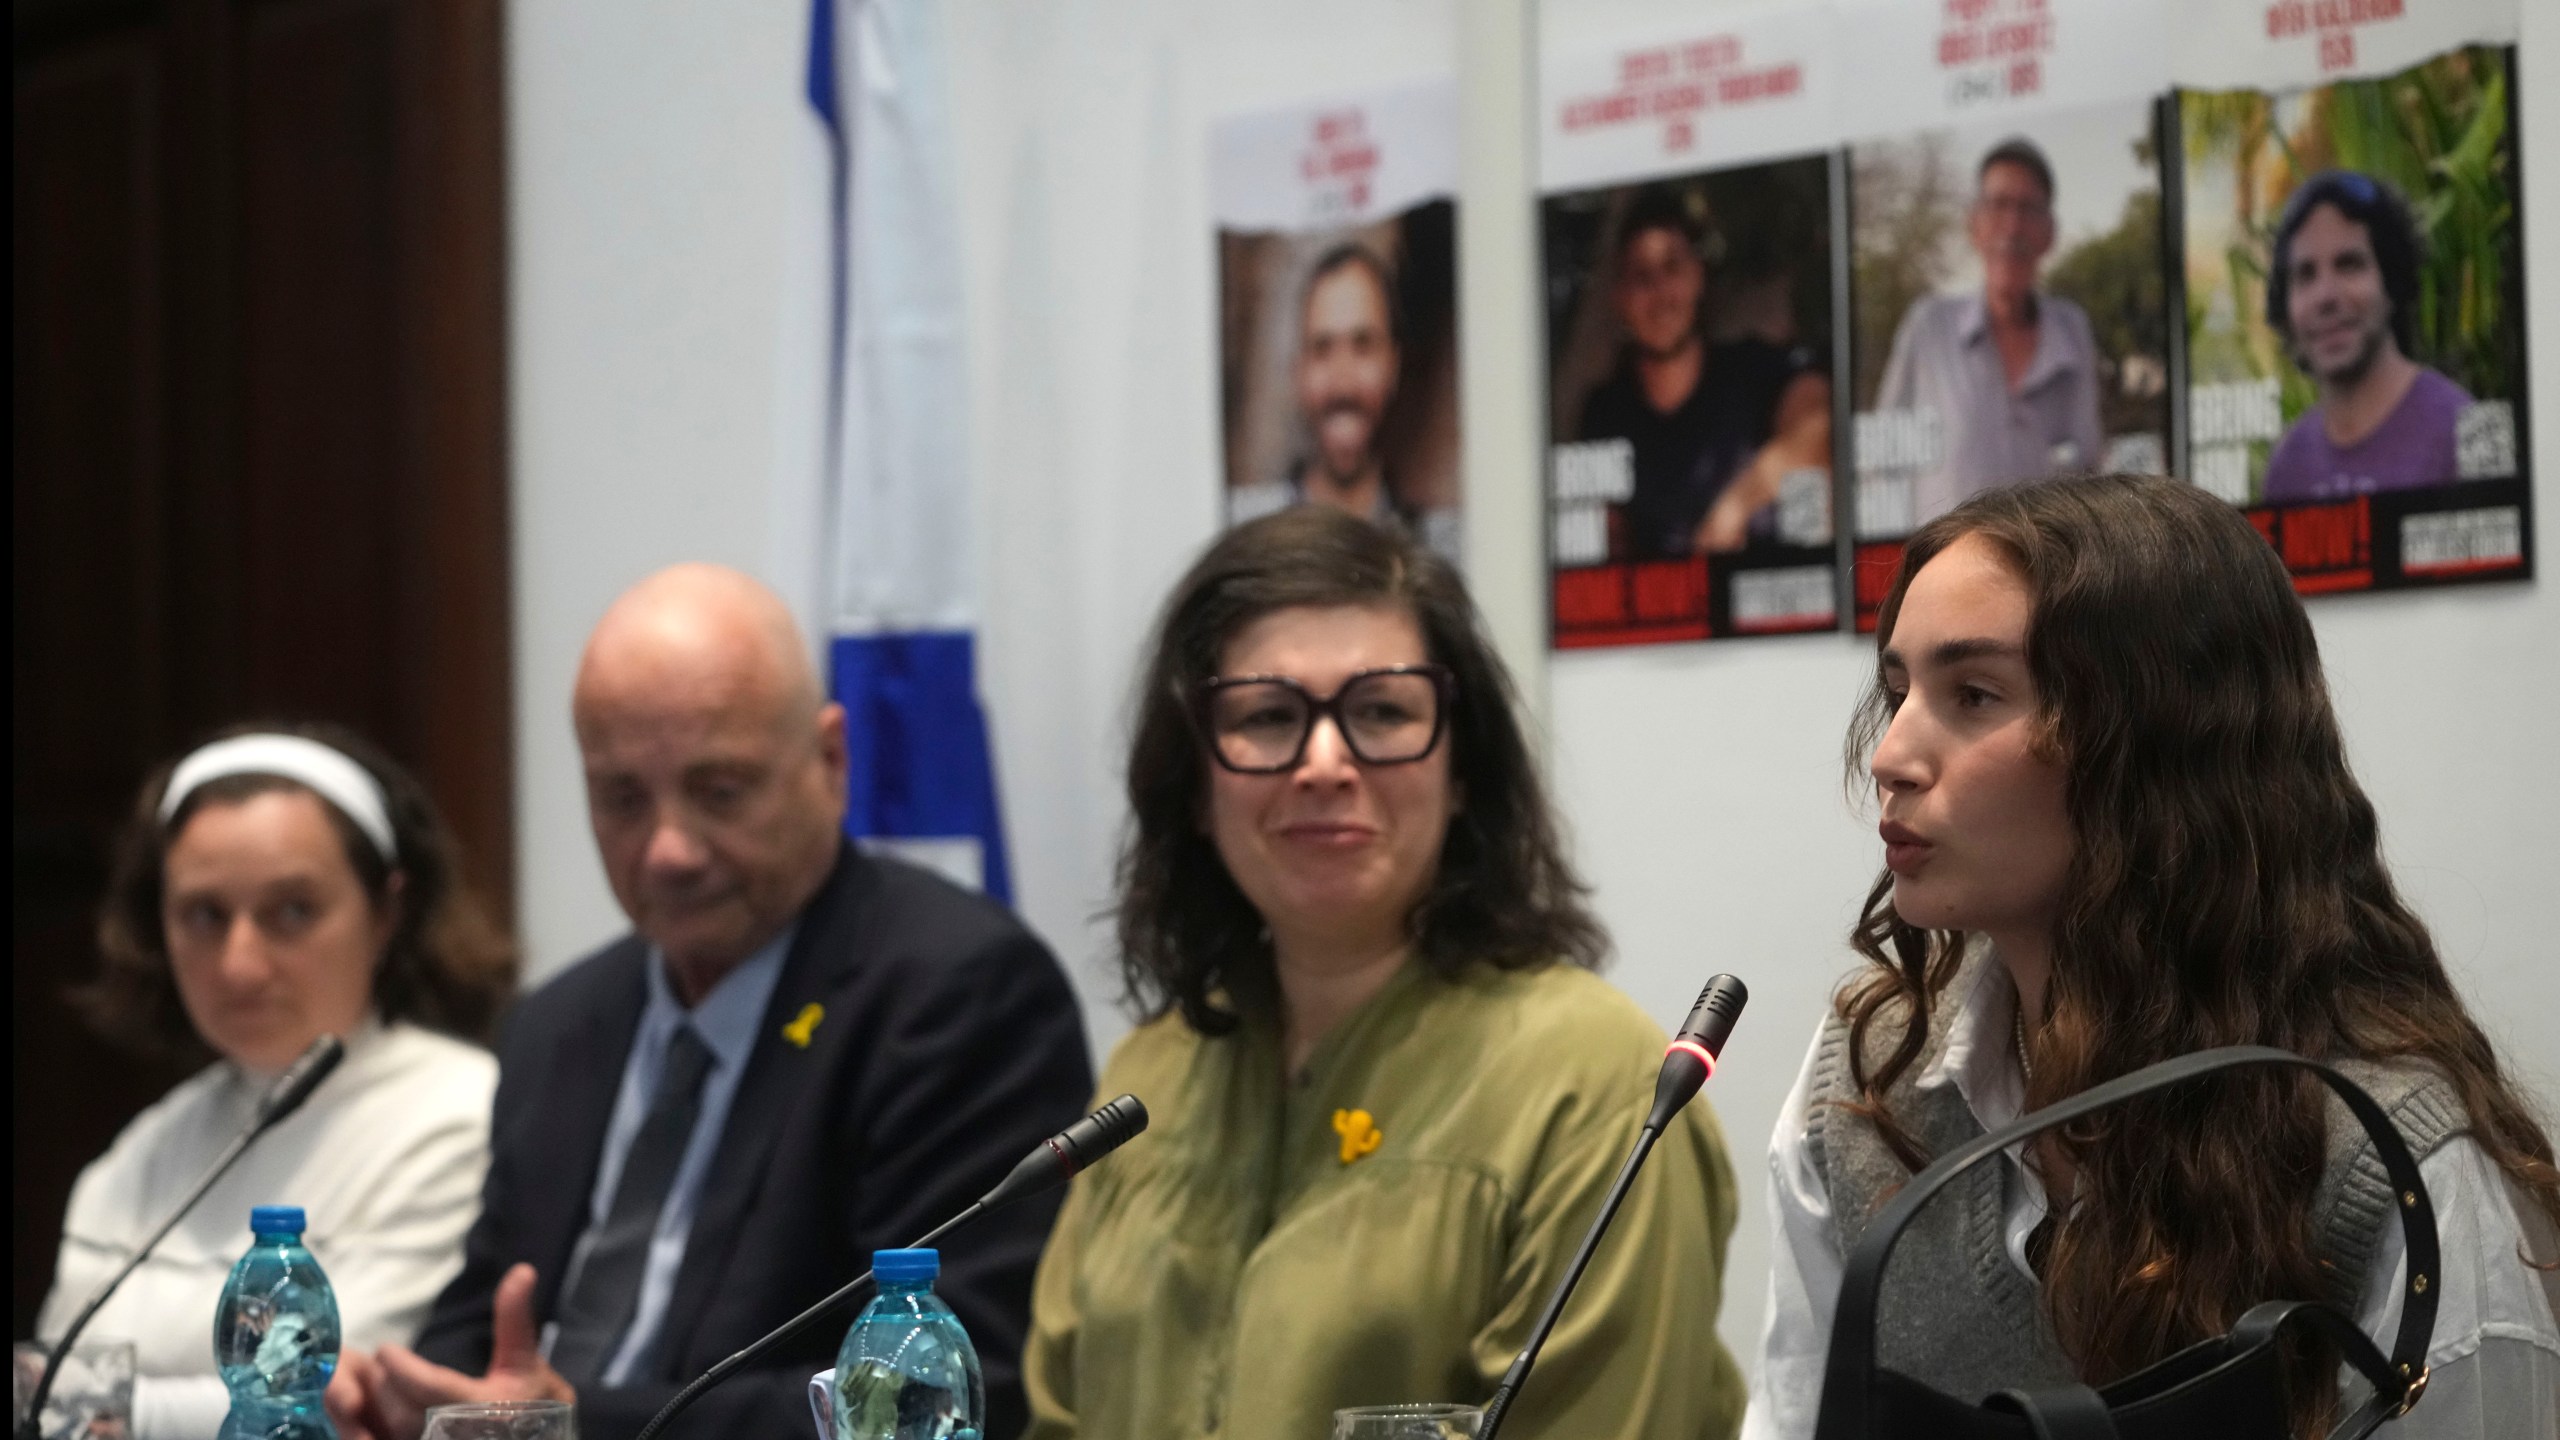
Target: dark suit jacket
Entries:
(950, 1046)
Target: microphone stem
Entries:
(1050, 1163)
(1513, 1378)
(31, 1427)
(791, 1329)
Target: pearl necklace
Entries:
(2026, 1071)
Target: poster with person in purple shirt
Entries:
(2355, 331)
(2343, 292)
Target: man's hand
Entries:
(392, 1391)
(355, 1395)
(1801, 439)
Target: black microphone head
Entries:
(1100, 1133)
(301, 1078)
(1710, 1021)
(1059, 1158)
(1691, 1056)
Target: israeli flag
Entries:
(872, 495)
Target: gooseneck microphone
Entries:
(1056, 1160)
(1691, 1056)
(1686, 1063)
(291, 1089)
(1050, 1164)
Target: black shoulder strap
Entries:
(2060, 1412)
(2393, 1391)
(1848, 1381)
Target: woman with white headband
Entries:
(274, 886)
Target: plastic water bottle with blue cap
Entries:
(275, 1334)
(906, 1370)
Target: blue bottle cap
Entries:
(275, 1220)
(905, 1267)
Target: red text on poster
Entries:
(2331, 24)
(1994, 49)
(1673, 85)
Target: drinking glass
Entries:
(92, 1396)
(503, 1420)
(1407, 1422)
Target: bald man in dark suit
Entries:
(800, 1054)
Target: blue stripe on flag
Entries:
(822, 61)
(918, 741)
(827, 99)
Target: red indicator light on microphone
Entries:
(1705, 1057)
(1691, 1057)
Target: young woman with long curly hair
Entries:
(2120, 826)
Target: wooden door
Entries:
(258, 447)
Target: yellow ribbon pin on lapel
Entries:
(805, 1025)
(1359, 1131)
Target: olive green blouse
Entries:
(1388, 1227)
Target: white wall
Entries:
(648, 141)
(645, 143)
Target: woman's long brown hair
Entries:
(2226, 888)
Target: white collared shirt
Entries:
(386, 1160)
(2495, 1357)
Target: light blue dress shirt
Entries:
(727, 1021)
(1945, 361)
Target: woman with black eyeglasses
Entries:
(1388, 1091)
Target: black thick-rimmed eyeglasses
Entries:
(1259, 724)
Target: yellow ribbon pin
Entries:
(801, 1028)
(1359, 1131)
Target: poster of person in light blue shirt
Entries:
(2011, 319)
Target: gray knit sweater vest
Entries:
(1954, 1313)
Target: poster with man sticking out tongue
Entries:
(1337, 332)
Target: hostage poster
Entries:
(1816, 275)
(1337, 305)
(1688, 236)
(2354, 319)
(2011, 318)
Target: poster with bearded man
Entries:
(1338, 366)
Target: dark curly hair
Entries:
(2388, 226)
(448, 965)
(1503, 895)
(1665, 207)
(2226, 888)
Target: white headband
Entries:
(325, 772)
